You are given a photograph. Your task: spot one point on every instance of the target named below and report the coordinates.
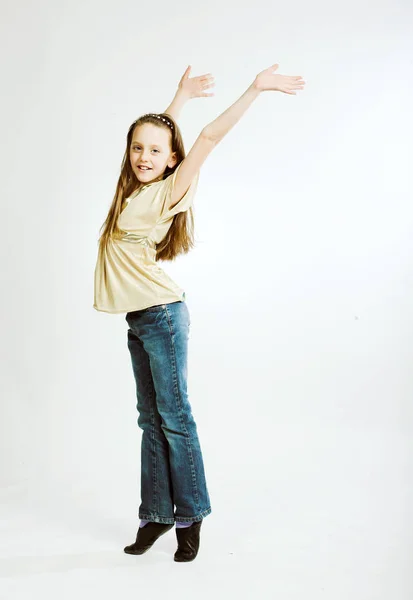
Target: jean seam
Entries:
(179, 402)
(154, 460)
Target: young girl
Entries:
(151, 219)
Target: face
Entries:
(151, 147)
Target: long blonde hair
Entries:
(180, 236)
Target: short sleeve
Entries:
(185, 202)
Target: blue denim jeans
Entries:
(172, 469)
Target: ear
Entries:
(173, 160)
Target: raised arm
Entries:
(264, 81)
(213, 133)
(188, 88)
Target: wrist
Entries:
(174, 109)
(255, 85)
(182, 95)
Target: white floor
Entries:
(328, 519)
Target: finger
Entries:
(206, 78)
(188, 70)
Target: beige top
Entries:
(127, 276)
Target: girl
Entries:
(151, 219)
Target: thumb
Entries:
(186, 74)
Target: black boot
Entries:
(188, 542)
(147, 536)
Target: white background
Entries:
(299, 289)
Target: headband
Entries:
(165, 120)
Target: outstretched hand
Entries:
(194, 86)
(266, 80)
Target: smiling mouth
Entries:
(144, 169)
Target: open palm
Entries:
(267, 80)
(195, 87)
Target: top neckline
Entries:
(143, 187)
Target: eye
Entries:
(138, 148)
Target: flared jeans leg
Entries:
(172, 469)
